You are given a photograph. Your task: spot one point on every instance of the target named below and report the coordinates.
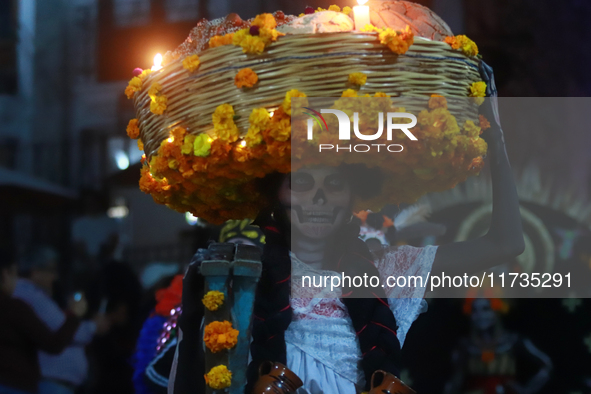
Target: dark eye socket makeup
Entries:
(302, 182)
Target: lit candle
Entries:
(361, 14)
(157, 62)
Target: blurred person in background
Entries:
(23, 334)
(61, 373)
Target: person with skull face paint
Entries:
(335, 342)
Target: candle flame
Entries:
(157, 62)
(243, 143)
(361, 2)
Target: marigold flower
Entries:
(346, 10)
(201, 145)
(357, 78)
(213, 299)
(471, 129)
(246, 78)
(253, 45)
(140, 144)
(466, 45)
(155, 91)
(334, 8)
(239, 36)
(259, 117)
(281, 131)
(265, 20)
(218, 336)
(145, 74)
(437, 101)
(484, 123)
(219, 377)
(133, 131)
(349, 93)
(269, 35)
(380, 94)
(158, 105)
(397, 42)
(218, 41)
(478, 91)
(286, 105)
(135, 85)
(191, 63)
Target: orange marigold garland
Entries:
(218, 336)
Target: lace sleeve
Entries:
(405, 297)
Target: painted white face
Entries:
(483, 316)
(318, 201)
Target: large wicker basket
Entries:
(316, 64)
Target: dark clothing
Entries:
(22, 334)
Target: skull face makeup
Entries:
(317, 200)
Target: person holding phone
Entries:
(23, 334)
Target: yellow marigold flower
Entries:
(223, 113)
(381, 94)
(478, 89)
(133, 131)
(223, 123)
(437, 101)
(346, 10)
(219, 377)
(259, 117)
(135, 85)
(173, 164)
(286, 105)
(281, 131)
(369, 28)
(213, 300)
(397, 42)
(239, 36)
(269, 35)
(218, 41)
(334, 8)
(471, 129)
(140, 144)
(253, 136)
(357, 78)
(218, 336)
(253, 45)
(300, 15)
(201, 145)
(349, 93)
(466, 45)
(145, 73)
(246, 78)
(187, 147)
(191, 63)
(320, 9)
(265, 20)
(155, 91)
(158, 105)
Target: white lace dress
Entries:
(322, 347)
